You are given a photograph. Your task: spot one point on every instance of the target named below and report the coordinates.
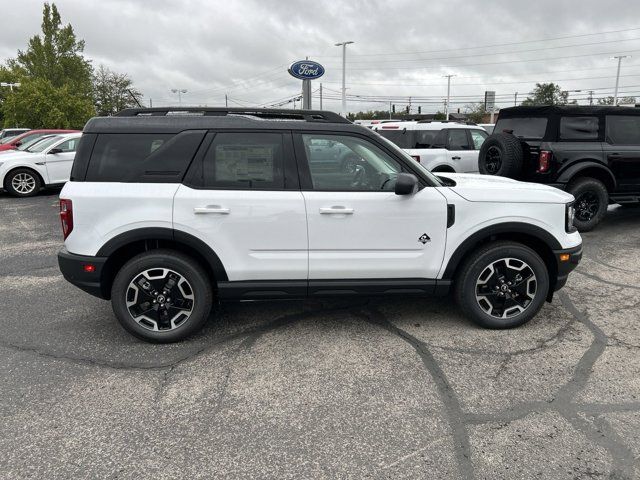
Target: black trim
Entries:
(72, 269)
(565, 176)
(262, 289)
(565, 268)
(508, 227)
(451, 215)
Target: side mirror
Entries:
(406, 184)
(17, 144)
(53, 151)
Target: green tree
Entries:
(113, 92)
(547, 94)
(55, 79)
(475, 112)
(623, 100)
(439, 116)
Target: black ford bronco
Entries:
(591, 152)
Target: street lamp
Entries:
(179, 91)
(344, 70)
(615, 92)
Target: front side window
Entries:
(69, 146)
(360, 165)
(245, 161)
(478, 137)
(623, 129)
(457, 140)
(43, 144)
(579, 128)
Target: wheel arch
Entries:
(443, 168)
(125, 246)
(539, 240)
(589, 168)
(13, 168)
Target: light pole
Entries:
(446, 112)
(179, 91)
(344, 73)
(615, 92)
(10, 85)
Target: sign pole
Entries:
(306, 94)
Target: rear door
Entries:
(461, 150)
(59, 160)
(242, 198)
(622, 150)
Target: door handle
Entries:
(615, 155)
(212, 209)
(336, 210)
(455, 158)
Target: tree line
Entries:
(59, 87)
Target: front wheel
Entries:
(502, 285)
(592, 200)
(161, 296)
(22, 182)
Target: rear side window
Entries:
(246, 160)
(530, 128)
(579, 128)
(410, 139)
(458, 140)
(623, 130)
(142, 157)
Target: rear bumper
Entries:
(73, 268)
(566, 260)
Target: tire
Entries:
(507, 307)
(501, 154)
(22, 182)
(592, 200)
(159, 318)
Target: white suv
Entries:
(438, 146)
(166, 213)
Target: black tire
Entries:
(592, 200)
(192, 299)
(501, 154)
(528, 292)
(22, 182)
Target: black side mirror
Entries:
(406, 184)
(53, 151)
(17, 144)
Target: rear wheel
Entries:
(592, 200)
(502, 285)
(161, 296)
(22, 182)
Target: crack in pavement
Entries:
(606, 282)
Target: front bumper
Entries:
(566, 260)
(73, 268)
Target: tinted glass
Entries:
(70, 145)
(43, 144)
(245, 161)
(623, 130)
(527, 127)
(457, 140)
(410, 138)
(478, 137)
(361, 165)
(579, 128)
(142, 157)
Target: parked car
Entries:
(488, 127)
(591, 152)
(47, 162)
(11, 132)
(438, 146)
(12, 143)
(165, 214)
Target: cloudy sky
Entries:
(402, 48)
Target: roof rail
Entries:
(263, 113)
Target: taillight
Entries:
(544, 161)
(66, 217)
(416, 158)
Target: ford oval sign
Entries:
(306, 70)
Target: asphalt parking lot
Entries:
(342, 389)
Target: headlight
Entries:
(569, 217)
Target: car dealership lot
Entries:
(354, 388)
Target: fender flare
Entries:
(169, 234)
(568, 173)
(483, 234)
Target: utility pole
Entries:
(615, 92)
(590, 97)
(515, 100)
(389, 110)
(344, 73)
(446, 106)
(226, 100)
(320, 96)
(179, 91)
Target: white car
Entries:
(166, 214)
(46, 162)
(438, 146)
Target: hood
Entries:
(487, 188)
(7, 155)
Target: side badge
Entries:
(424, 238)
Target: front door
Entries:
(59, 160)
(358, 227)
(243, 201)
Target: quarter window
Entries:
(478, 137)
(623, 130)
(344, 163)
(579, 128)
(245, 161)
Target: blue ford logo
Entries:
(306, 70)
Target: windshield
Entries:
(31, 140)
(526, 127)
(42, 144)
(436, 181)
(7, 140)
(410, 138)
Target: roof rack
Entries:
(263, 113)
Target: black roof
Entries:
(177, 119)
(545, 110)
